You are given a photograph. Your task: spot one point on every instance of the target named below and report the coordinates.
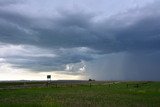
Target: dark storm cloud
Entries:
(126, 66)
(142, 66)
(15, 28)
(134, 30)
(143, 35)
(80, 30)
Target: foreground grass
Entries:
(82, 95)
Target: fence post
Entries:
(90, 84)
(137, 85)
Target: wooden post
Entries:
(90, 85)
(56, 85)
(137, 85)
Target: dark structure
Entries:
(49, 77)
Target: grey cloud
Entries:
(10, 2)
(142, 66)
(15, 18)
(15, 28)
(79, 30)
(144, 35)
(134, 31)
(126, 66)
(47, 60)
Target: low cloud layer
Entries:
(81, 40)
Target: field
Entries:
(79, 94)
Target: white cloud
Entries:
(8, 50)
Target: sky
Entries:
(80, 39)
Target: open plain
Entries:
(79, 94)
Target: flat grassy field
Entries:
(80, 94)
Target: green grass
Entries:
(82, 95)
